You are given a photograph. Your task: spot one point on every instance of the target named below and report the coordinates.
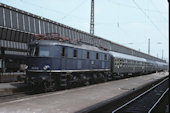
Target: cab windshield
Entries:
(42, 51)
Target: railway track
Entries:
(147, 101)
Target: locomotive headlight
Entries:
(43, 78)
(46, 67)
(26, 67)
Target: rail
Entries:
(144, 93)
(158, 100)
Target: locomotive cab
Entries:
(39, 64)
(39, 56)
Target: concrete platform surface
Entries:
(10, 88)
(10, 77)
(70, 101)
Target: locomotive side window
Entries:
(75, 53)
(63, 52)
(105, 57)
(44, 51)
(97, 55)
(88, 55)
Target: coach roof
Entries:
(125, 56)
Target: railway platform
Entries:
(79, 100)
(10, 76)
(10, 88)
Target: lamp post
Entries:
(149, 46)
(162, 54)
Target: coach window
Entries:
(131, 64)
(118, 62)
(124, 62)
(128, 63)
(97, 55)
(115, 61)
(63, 52)
(75, 53)
(88, 55)
(105, 57)
(121, 63)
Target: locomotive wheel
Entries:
(46, 86)
(53, 86)
(94, 78)
(49, 86)
(85, 80)
(105, 78)
(101, 77)
(73, 81)
(109, 77)
(76, 81)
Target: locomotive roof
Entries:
(125, 56)
(80, 46)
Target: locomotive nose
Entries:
(39, 63)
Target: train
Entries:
(54, 64)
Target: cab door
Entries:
(63, 58)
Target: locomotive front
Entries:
(39, 65)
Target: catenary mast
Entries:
(92, 18)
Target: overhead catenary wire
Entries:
(56, 11)
(155, 26)
(153, 4)
(132, 6)
(74, 9)
(82, 18)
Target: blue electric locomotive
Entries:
(52, 63)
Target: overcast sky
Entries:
(127, 22)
